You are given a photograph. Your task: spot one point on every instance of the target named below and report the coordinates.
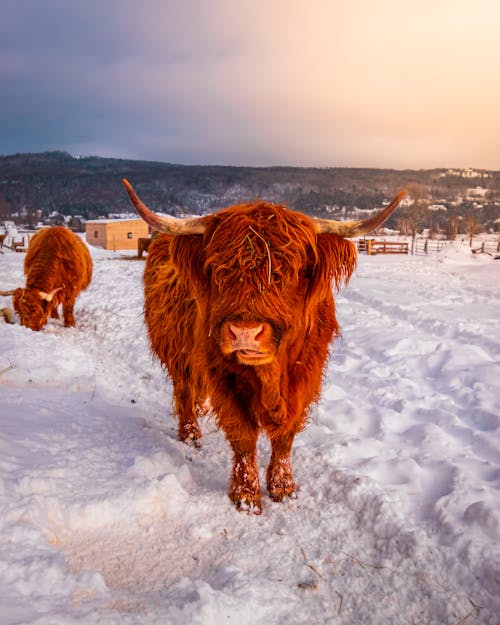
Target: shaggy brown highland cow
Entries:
(239, 309)
(57, 266)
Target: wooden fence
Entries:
(427, 246)
(371, 247)
(18, 243)
(421, 247)
(487, 247)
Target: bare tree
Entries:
(472, 227)
(414, 215)
(451, 228)
(403, 225)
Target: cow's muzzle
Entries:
(251, 342)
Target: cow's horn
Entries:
(350, 229)
(49, 296)
(164, 223)
(7, 292)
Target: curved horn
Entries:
(49, 296)
(170, 225)
(350, 229)
(7, 292)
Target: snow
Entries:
(105, 517)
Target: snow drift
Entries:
(105, 517)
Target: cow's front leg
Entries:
(69, 317)
(244, 487)
(280, 482)
(187, 415)
(189, 429)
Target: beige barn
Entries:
(115, 234)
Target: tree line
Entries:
(48, 186)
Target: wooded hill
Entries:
(35, 186)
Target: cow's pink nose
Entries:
(244, 334)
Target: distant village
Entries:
(73, 222)
(117, 232)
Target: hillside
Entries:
(34, 186)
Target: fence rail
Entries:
(429, 245)
(17, 243)
(421, 247)
(370, 246)
(486, 247)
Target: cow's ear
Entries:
(188, 256)
(333, 265)
(338, 257)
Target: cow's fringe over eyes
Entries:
(258, 240)
(268, 254)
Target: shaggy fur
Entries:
(56, 257)
(254, 263)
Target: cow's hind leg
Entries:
(280, 482)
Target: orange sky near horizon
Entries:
(277, 82)
(408, 84)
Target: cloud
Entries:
(320, 83)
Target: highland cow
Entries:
(57, 267)
(239, 309)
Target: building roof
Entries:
(113, 221)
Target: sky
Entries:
(354, 83)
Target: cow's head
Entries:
(261, 271)
(32, 306)
(267, 272)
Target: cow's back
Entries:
(59, 255)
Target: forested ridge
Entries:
(35, 186)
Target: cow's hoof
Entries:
(280, 495)
(193, 441)
(246, 498)
(190, 434)
(280, 482)
(250, 507)
(244, 487)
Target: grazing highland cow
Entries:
(57, 266)
(239, 309)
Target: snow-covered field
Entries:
(106, 518)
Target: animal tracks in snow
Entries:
(107, 517)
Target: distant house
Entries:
(115, 234)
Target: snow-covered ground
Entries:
(105, 517)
